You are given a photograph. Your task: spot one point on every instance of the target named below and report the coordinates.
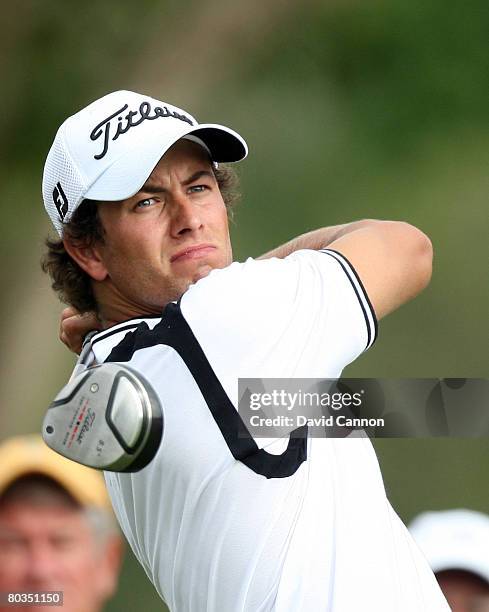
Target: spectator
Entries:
(456, 545)
(57, 531)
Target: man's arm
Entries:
(393, 259)
(317, 239)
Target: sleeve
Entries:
(358, 289)
(306, 315)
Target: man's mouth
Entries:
(192, 252)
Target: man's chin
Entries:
(202, 272)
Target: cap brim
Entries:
(128, 173)
(29, 455)
(461, 562)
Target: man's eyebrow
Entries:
(197, 175)
(154, 187)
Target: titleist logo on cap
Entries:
(131, 119)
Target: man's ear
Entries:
(88, 258)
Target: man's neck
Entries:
(112, 317)
(114, 308)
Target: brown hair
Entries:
(71, 283)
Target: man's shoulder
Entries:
(267, 277)
(236, 287)
(272, 270)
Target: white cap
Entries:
(107, 150)
(454, 539)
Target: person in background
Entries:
(57, 530)
(456, 545)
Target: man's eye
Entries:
(12, 543)
(197, 188)
(146, 203)
(63, 541)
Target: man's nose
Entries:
(43, 564)
(186, 215)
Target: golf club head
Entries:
(108, 417)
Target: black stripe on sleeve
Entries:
(359, 289)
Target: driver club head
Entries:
(108, 418)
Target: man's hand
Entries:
(73, 327)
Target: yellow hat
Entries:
(23, 455)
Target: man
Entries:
(57, 531)
(456, 545)
(220, 521)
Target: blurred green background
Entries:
(351, 109)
